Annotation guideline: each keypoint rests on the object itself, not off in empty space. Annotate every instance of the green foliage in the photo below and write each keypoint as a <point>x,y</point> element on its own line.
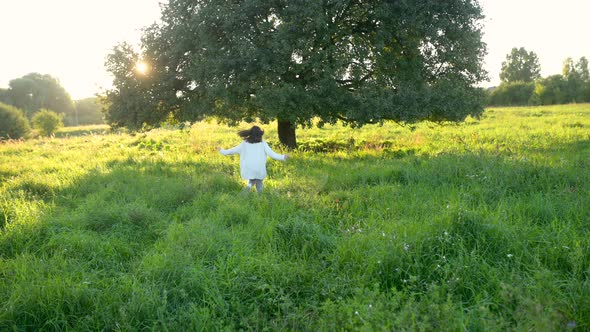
<point>577,80</point>
<point>86,112</point>
<point>520,65</point>
<point>557,89</point>
<point>571,87</point>
<point>512,93</point>
<point>132,103</point>
<point>582,69</point>
<point>479,226</point>
<point>35,91</point>
<point>336,60</point>
<point>13,123</point>
<point>4,96</point>
<point>47,122</point>
<point>551,90</point>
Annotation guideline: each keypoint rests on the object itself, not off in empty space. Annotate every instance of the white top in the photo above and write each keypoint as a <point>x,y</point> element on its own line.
<point>253,158</point>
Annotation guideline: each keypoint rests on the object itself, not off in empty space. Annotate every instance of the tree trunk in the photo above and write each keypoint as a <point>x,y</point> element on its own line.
<point>287,134</point>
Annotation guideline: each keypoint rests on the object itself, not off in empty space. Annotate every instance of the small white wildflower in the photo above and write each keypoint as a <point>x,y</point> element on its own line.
<point>356,313</point>
<point>383,233</point>
<point>438,266</point>
<point>370,306</point>
<point>509,255</point>
<point>406,247</point>
<point>448,206</point>
<point>378,262</point>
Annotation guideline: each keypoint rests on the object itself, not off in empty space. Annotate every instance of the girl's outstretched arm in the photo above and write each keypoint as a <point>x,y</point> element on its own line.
<point>234,150</point>
<point>273,154</point>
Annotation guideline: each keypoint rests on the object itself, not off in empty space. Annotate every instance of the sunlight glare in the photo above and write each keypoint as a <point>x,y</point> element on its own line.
<point>142,67</point>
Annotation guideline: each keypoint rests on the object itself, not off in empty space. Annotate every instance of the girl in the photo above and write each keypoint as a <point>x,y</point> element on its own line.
<point>253,152</point>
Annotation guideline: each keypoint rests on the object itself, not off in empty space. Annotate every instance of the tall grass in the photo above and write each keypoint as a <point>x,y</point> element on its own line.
<point>476,226</point>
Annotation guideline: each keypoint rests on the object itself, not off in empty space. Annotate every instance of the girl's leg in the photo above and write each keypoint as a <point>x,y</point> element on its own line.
<point>258,186</point>
<point>251,183</point>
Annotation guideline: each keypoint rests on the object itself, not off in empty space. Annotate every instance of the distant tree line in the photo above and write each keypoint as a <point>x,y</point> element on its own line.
<point>522,84</point>
<point>41,102</point>
<point>35,92</point>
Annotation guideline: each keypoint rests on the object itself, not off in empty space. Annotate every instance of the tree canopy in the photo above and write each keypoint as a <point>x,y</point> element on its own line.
<point>520,66</point>
<point>35,91</point>
<point>355,61</point>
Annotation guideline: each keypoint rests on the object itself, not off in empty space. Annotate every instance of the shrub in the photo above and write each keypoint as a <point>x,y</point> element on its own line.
<point>13,123</point>
<point>551,90</point>
<point>512,94</point>
<point>47,122</point>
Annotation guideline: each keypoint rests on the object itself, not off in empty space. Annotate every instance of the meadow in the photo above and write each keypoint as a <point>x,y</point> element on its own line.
<point>478,226</point>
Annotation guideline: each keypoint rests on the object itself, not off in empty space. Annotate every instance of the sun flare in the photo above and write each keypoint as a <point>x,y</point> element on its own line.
<point>142,67</point>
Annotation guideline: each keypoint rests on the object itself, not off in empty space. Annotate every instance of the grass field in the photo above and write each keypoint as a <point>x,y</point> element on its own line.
<point>481,226</point>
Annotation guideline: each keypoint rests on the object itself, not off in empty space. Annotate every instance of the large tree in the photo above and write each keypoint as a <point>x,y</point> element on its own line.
<point>293,61</point>
<point>520,66</point>
<point>35,91</point>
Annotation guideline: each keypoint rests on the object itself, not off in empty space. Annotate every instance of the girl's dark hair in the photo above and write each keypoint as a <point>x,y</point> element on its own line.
<point>252,135</point>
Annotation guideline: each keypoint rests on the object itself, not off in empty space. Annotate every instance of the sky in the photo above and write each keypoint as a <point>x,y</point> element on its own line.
<point>69,39</point>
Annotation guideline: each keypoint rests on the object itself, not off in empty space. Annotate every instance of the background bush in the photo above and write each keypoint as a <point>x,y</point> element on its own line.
<point>13,123</point>
<point>512,94</point>
<point>47,122</point>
